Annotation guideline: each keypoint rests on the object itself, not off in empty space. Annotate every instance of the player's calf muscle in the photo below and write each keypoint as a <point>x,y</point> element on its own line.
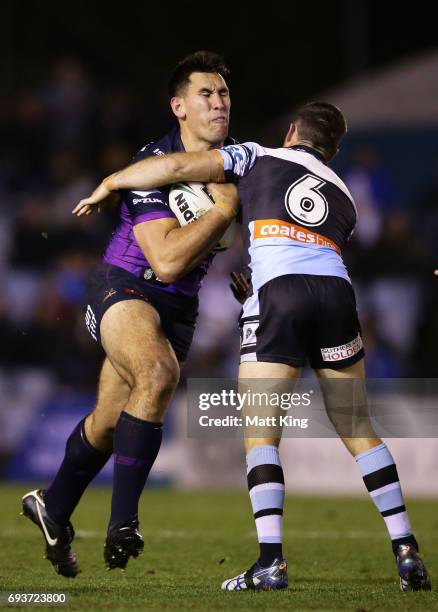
<point>99,432</point>
<point>112,397</point>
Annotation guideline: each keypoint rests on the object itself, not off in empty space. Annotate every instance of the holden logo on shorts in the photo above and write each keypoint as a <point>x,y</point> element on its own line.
<point>148,274</point>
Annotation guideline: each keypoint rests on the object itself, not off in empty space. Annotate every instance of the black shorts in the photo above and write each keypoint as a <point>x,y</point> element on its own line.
<point>108,284</point>
<point>301,316</point>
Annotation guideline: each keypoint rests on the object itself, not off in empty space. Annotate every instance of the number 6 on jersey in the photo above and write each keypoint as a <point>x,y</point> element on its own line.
<point>305,203</point>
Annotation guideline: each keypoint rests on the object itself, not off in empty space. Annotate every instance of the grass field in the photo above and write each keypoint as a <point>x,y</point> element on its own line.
<point>337,549</point>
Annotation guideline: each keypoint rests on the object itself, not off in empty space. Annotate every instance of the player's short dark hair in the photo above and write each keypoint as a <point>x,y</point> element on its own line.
<point>323,125</point>
<point>200,61</point>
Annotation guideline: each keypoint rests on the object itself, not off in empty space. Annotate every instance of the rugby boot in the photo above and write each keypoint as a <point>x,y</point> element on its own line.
<point>260,578</point>
<point>57,537</point>
<point>411,569</point>
<point>122,542</point>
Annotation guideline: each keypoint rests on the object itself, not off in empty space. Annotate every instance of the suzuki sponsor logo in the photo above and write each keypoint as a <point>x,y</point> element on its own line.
<point>146,201</point>
<point>338,353</point>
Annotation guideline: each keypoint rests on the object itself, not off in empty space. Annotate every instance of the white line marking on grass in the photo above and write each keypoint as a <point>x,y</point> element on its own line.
<point>90,533</point>
<point>160,533</point>
<point>329,535</point>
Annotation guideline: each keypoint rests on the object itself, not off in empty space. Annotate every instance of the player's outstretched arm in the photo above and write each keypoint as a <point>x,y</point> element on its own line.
<point>156,171</point>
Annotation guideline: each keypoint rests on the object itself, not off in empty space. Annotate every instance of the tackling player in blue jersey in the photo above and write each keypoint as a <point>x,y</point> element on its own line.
<point>142,307</point>
<point>297,217</point>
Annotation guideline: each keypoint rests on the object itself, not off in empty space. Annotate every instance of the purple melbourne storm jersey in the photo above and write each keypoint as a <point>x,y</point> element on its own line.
<point>297,213</point>
<point>140,206</point>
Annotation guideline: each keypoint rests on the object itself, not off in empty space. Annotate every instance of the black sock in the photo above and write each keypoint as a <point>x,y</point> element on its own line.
<point>410,539</point>
<point>269,552</point>
<point>81,463</point>
<point>136,446</point>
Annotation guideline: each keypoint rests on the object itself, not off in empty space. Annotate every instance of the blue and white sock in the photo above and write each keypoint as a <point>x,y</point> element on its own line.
<point>266,490</point>
<point>380,476</point>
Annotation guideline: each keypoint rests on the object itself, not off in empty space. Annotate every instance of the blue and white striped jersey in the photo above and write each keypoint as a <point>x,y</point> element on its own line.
<point>297,213</point>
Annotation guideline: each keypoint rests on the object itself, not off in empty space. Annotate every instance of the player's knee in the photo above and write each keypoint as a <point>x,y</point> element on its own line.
<point>159,380</point>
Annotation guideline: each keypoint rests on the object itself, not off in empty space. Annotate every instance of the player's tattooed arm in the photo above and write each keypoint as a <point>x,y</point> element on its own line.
<point>205,166</point>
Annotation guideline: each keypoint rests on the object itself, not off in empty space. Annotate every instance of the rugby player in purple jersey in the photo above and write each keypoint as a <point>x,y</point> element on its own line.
<point>142,307</point>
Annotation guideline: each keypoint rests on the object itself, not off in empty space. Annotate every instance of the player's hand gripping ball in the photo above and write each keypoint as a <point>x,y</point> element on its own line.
<point>189,201</point>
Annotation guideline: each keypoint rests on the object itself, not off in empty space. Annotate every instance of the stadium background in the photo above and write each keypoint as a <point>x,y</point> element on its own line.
<point>83,88</point>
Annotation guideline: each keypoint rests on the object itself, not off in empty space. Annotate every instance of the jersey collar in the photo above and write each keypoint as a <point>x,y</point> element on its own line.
<point>177,142</point>
<point>307,149</point>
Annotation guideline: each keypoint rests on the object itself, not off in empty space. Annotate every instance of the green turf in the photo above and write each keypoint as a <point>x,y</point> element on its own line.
<point>337,549</point>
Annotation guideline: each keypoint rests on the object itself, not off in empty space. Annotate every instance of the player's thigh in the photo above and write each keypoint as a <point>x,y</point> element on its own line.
<point>135,343</point>
<point>344,391</point>
<point>346,403</point>
<point>263,369</point>
<point>355,371</point>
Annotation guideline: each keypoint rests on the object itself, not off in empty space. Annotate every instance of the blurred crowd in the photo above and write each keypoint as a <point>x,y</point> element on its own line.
<point>391,259</point>
<point>60,137</point>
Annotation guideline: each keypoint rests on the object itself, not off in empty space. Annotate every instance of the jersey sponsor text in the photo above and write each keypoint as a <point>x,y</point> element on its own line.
<point>274,228</point>
<point>345,351</point>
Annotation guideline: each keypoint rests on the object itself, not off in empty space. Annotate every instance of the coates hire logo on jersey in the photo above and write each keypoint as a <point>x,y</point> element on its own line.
<point>345,351</point>
<point>274,228</point>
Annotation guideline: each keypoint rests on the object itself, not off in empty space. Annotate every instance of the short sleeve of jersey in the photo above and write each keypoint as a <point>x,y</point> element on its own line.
<point>147,205</point>
<point>240,159</point>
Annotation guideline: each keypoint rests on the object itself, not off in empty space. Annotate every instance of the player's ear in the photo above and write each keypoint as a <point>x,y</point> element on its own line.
<point>288,139</point>
<point>178,107</point>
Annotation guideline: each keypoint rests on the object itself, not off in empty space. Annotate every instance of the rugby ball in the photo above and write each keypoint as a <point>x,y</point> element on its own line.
<point>189,201</point>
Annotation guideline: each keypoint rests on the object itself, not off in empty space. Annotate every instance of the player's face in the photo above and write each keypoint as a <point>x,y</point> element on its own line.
<point>204,108</point>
